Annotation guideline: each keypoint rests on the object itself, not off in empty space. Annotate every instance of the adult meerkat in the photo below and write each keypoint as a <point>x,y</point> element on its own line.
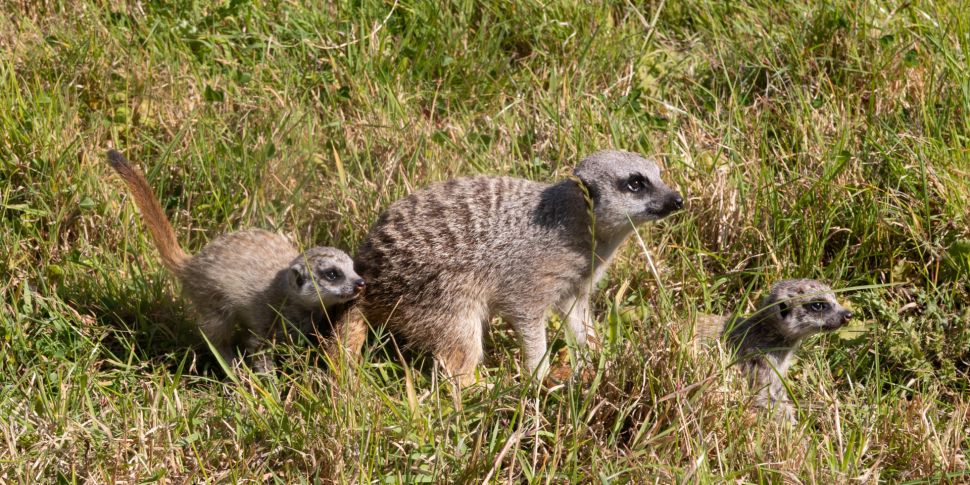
<point>764,344</point>
<point>443,261</point>
<point>248,286</point>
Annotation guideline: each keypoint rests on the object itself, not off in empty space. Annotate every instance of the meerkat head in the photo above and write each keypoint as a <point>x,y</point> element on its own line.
<point>800,308</point>
<point>324,275</point>
<point>626,187</point>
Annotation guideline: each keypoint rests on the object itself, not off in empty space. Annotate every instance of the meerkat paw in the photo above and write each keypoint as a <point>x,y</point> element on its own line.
<point>475,384</point>
<point>570,364</point>
<point>541,371</point>
<point>785,414</point>
<point>561,369</point>
<point>593,343</point>
<point>262,363</point>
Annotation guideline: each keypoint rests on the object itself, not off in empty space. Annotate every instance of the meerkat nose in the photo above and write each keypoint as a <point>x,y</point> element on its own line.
<point>678,202</point>
<point>360,283</point>
<point>846,316</point>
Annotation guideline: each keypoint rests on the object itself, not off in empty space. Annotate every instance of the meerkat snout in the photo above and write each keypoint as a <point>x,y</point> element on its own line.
<point>674,202</point>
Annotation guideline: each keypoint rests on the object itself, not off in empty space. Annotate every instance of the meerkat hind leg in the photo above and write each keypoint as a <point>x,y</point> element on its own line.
<point>217,329</point>
<point>459,361</point>
<point>463,350</point>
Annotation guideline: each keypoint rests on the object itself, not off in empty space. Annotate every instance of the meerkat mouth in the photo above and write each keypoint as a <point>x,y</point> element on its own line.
<point>351,293</point>
<point>841,322</point>
<point>672,203</point>
<point>834,326</point>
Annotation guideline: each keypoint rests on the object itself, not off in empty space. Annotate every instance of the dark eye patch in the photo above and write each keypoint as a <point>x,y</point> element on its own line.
<point>636,183</point>
<point>817,306</point>
<point>331,274</point>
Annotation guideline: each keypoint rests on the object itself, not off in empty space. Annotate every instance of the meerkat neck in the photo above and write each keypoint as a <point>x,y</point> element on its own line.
<point>565,205</point>
<point>582,200</point>
<point>608,242</point>
<point>569,204</point>
<point>755,336</point>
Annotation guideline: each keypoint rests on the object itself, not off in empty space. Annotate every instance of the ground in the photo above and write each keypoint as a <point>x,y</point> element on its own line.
<point>828,140</point>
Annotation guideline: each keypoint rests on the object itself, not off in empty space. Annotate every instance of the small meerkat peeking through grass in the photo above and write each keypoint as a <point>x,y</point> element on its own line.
<point>764,344</point>
<point>247,287</point>
<point>442,262</point>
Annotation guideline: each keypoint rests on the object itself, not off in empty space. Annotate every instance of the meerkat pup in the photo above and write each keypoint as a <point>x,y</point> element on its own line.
<point>250,286</point>
<point>443,261</point>
<point>764,344</point>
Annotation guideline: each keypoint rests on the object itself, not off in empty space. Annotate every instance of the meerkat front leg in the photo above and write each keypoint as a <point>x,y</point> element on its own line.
<point>771,393</point>
<point>781,406</point>
<point>228,354</point>
<point>531,332</point>
<point>261,354</point>
<point>579,321</point>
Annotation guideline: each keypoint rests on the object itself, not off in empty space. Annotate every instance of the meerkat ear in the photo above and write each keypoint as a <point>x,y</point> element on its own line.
<point>587,187</point>
<point>784,308</point>
<point>296,276</point>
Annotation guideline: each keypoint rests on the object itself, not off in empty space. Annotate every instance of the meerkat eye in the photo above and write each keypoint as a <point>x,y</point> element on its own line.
<point>817,306</point>
<point>636,183</point>
<point>331,274</point>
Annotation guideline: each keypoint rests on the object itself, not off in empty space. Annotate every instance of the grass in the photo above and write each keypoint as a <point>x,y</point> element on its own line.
<point>812,139</point>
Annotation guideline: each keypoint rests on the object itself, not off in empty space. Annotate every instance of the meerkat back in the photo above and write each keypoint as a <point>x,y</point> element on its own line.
<point>235,269</point>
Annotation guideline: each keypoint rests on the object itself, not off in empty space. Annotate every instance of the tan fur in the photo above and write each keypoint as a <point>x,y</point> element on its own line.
<point>443,261</point>
<point>152,214</point>
<point>244,284</point>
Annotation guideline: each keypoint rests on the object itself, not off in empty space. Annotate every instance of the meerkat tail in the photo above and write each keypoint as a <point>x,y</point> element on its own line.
<point>173,257</point>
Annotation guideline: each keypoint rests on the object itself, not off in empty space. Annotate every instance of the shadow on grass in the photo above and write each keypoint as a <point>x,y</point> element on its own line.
<point>143,322</point>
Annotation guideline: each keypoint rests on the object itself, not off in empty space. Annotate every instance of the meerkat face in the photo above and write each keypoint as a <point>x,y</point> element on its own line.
<point>626,187</point>
<point>805,307</point>
<point>325,275</point>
